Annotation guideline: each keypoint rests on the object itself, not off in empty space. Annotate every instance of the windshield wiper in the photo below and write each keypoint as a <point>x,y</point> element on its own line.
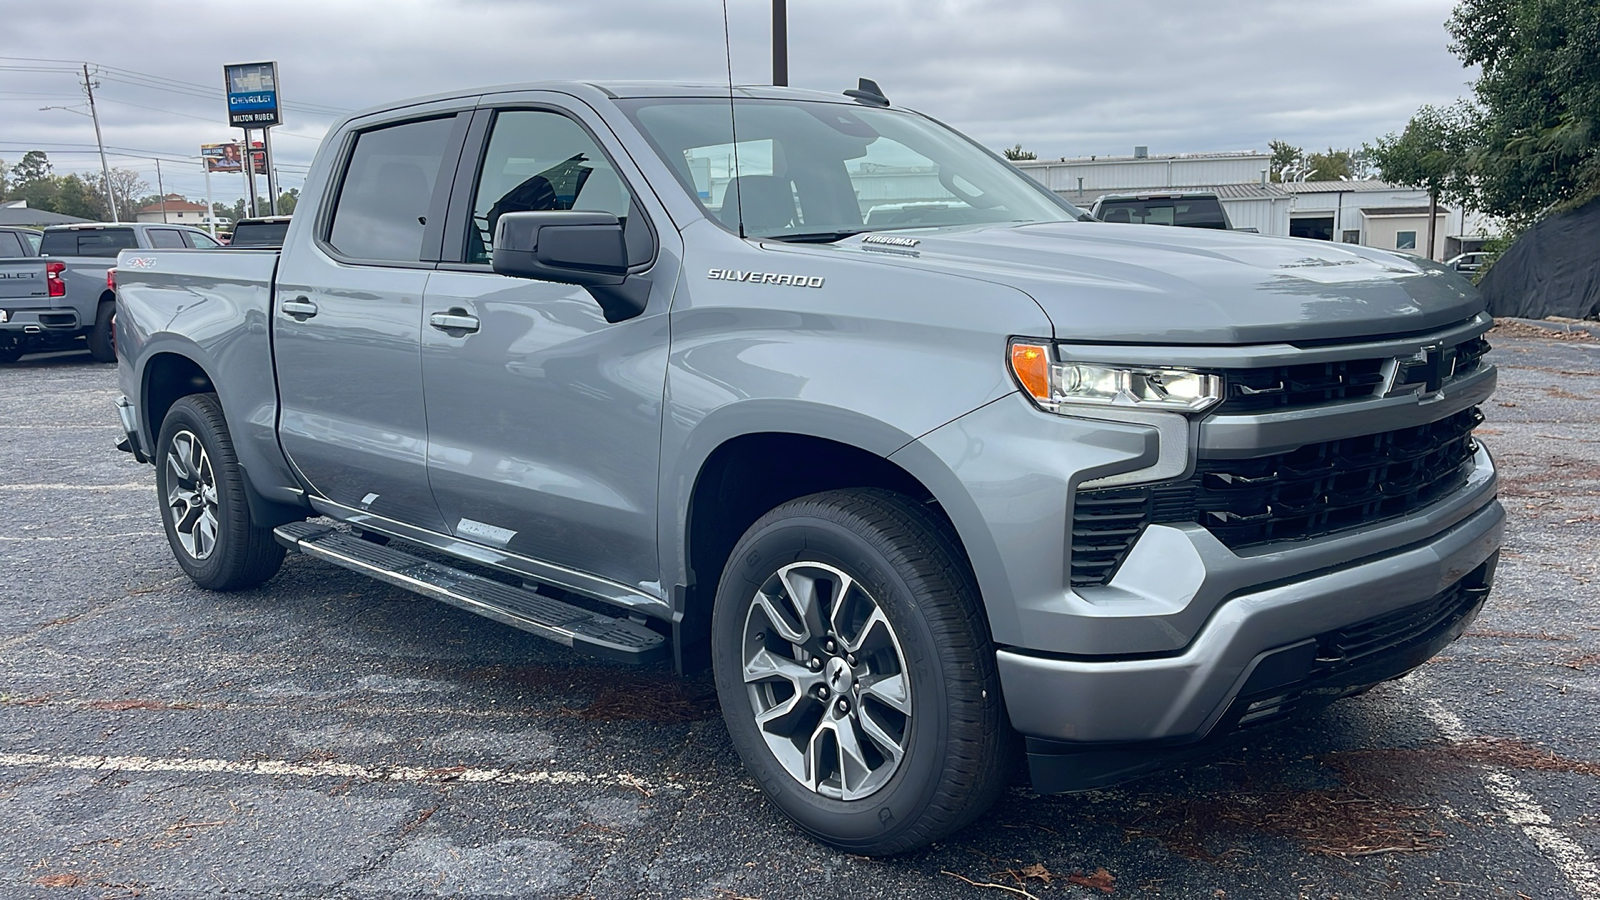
<point>815,237</point>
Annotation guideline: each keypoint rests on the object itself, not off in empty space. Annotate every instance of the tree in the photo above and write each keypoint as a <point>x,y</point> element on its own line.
<point>1335,165</point>
<point>1537,144</point>
<point>1017,153</point>
<point>1285,157</point>
<point>76,198</point>
<point>1431,154</point>
<point>126,185</point>
<point>38,193</point>
<point>35,166</point>
<point>289,199</point>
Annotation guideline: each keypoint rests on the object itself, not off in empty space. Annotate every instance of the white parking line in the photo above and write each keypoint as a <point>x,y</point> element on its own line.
<point>412,774</point>
<point>1518,805</point>
<point>84,488</point>
<point>79,537</point>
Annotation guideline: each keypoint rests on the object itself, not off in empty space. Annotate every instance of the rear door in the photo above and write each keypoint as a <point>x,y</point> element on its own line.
<point>347,316</point>
<point>544,421</point>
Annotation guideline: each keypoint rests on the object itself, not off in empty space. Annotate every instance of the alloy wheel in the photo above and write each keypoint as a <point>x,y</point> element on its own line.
<point>192,495</point>
<point>827,680</point>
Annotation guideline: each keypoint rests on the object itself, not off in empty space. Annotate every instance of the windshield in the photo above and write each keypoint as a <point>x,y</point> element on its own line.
<point>827,170</point>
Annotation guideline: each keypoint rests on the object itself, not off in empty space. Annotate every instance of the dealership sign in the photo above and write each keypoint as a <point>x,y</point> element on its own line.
<point>252,94</point>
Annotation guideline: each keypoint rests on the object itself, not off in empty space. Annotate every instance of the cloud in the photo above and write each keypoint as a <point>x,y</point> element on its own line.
<point>1063,78</point>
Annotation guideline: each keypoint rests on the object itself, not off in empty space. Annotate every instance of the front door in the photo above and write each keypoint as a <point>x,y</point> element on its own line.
<point>544,421</point>
<point>347,321</point>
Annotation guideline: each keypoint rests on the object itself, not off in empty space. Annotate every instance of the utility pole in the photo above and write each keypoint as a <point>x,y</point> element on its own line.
<point>780,43</point>
<point>161,189</point>
<point>105,170</point>
<point>272,172</point>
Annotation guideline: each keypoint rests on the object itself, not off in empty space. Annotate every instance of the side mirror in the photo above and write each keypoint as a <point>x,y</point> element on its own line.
<point>587,249</point>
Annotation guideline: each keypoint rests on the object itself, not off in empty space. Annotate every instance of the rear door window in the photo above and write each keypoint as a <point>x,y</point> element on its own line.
<point>199,241</point>
<point>166,239</point>
<point>11,245</point>
<point>388,187</point>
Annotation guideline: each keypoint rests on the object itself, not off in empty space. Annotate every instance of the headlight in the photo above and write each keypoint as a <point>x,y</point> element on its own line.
<point>1054,384</point>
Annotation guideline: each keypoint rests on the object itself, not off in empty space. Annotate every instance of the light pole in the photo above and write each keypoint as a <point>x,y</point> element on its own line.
<point>105,170</point>
<point>780,43</point>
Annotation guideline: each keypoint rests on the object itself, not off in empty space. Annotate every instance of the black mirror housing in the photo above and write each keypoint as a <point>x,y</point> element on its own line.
<point>587,249</point>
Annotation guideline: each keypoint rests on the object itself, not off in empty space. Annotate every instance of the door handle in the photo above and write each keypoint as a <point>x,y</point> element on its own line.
<point>300,307</point>
<point>456,320</point>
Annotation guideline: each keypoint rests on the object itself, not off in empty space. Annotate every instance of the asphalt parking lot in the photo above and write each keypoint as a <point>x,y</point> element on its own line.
<point>328,736</point>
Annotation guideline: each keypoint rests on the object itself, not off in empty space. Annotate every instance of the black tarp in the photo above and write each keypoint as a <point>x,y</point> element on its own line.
<point>1552,270</point>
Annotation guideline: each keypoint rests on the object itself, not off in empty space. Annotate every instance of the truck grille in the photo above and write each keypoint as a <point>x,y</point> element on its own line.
<point>1312,491</point>
<point>1314,384</point>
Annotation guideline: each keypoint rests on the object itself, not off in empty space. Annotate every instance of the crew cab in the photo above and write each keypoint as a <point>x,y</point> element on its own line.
<point>992,477</point>
<point>87,253</point>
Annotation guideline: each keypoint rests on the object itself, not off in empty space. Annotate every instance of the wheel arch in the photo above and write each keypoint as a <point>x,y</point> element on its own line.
<point>171,373</point>
<point>747,473</point>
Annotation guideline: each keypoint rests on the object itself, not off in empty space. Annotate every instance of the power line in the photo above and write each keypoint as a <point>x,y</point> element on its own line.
<point>160,83</point>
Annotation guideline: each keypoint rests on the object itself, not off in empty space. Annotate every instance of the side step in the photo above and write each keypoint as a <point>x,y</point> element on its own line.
<point>621,640</point>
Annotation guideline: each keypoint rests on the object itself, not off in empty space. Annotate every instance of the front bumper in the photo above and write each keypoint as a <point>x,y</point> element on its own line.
<point>1095,722</point>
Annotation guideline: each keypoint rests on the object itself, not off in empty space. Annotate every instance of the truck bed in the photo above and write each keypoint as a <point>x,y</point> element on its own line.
<point>214,308</point>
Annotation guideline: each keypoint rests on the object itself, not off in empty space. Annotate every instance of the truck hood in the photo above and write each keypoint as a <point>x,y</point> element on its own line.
<point>1160,284</point>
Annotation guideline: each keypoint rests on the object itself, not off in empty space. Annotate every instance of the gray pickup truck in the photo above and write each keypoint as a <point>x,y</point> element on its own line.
<point>924,497</point>
<point>87,253</point>
<point>29,285</point>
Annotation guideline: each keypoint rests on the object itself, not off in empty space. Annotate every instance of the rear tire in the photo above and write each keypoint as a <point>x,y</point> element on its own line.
<point>856,673</point>
<point>203,507</point>
<point>10,353</point>
<point>102,343</point>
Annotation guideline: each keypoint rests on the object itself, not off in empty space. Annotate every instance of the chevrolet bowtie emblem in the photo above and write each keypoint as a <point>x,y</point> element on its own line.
<point>1424,372</point>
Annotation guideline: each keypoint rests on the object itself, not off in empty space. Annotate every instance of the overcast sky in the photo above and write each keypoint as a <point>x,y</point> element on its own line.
<point>1062,77</point>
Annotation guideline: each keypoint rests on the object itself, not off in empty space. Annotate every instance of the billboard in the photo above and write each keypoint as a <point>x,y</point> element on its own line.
<point>252,94</point>
<point>228,157</point>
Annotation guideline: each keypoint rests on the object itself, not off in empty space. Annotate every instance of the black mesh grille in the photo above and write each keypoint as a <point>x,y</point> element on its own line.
<point>1315,490</point>
<point>1345,658</point>
<point>1314,384</point>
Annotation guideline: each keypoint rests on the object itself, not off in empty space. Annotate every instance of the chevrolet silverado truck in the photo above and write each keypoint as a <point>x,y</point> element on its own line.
<point>29,285</point>
<point>623,365</point>
<point>87,253</point>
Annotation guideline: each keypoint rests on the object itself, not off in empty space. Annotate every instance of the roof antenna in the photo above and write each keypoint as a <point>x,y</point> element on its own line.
<point>867,92</point>
<point>733,128</point>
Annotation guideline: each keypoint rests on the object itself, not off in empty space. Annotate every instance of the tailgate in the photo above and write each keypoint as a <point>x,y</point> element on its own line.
<point>23,278</point>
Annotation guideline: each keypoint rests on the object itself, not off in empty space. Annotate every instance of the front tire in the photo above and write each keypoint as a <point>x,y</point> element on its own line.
<point>856,672</point>
<point>102,343</point>
<point>203,505</point>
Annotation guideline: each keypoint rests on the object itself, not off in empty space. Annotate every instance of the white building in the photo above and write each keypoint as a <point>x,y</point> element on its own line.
<point>1367,212</point>
<point>175,210</point>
